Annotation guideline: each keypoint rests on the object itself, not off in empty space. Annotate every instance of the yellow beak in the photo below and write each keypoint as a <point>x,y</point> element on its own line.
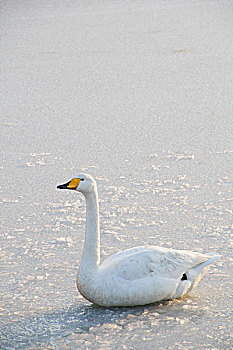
<point>71,185</point>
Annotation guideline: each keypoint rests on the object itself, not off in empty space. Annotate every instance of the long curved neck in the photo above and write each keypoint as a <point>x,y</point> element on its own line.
<point>91,251</point>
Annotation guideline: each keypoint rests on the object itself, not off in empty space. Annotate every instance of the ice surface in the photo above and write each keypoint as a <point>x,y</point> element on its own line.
<point>140,95</point>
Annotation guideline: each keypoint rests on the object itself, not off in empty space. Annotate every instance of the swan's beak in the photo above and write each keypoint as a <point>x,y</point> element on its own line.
<point>70,185</point>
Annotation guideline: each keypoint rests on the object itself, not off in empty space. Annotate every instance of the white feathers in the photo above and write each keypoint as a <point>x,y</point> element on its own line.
<point>136,276</point>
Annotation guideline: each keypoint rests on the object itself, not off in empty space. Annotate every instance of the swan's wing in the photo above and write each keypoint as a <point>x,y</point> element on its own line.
<point>140,262</point>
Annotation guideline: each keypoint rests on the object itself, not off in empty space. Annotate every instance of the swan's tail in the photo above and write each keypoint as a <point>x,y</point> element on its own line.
<point>194,275</point>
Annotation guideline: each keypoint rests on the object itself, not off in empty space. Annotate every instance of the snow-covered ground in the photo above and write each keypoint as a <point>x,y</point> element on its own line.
<point>140,95</point>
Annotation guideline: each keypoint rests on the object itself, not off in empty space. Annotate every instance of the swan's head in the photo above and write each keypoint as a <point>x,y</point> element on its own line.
<point>83,183</point>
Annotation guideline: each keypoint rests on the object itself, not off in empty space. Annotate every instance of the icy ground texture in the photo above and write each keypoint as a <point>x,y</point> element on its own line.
<point>140,95</point>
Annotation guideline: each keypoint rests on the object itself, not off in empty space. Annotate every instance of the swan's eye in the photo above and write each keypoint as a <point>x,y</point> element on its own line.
<point>82,179</point>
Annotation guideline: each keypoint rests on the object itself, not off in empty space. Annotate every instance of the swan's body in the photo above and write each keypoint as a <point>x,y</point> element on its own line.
<point>136,276</point>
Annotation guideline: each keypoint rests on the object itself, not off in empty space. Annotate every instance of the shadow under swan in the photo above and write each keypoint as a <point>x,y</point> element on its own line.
<point>45,328</point>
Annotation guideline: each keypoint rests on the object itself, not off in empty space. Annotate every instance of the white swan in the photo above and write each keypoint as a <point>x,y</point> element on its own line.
<point>136,276</point>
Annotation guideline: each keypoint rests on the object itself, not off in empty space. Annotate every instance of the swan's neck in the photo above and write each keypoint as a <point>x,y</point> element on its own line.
<point>91,251</point>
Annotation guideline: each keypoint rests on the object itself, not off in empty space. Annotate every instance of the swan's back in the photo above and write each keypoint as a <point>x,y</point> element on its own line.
<point>141,261</point>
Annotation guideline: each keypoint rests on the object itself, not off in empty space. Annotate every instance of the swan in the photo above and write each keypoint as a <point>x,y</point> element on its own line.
<point>136,276</point>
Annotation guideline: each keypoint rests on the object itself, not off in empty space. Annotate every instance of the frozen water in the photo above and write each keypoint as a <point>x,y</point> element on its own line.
<point>140,95</point>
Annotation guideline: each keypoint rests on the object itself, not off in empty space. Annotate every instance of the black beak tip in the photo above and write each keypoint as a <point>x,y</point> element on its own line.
<point>61,187</point>
<point>64,186</point>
